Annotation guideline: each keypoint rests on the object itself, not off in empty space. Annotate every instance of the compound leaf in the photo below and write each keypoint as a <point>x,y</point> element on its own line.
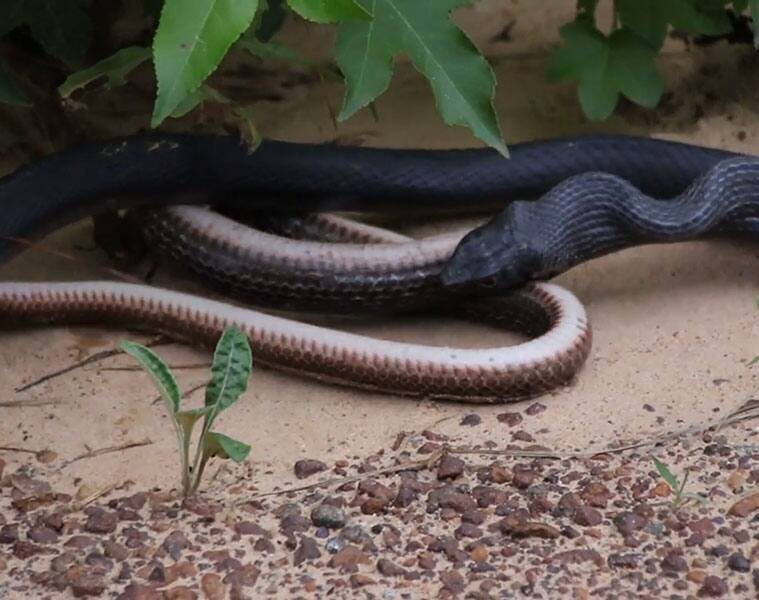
<point>651,18</point>
<point>605,67</point>
<point>461,79</point>
<point>190,42</point>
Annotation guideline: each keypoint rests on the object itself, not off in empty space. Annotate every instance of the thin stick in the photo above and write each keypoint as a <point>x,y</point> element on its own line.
<point>93,358</point>
<point>94,496</point>
<point>190,366</point>
<point>24,403</point>
<point>15,449</point>
<point>735,416</point>
<point>107,450</point>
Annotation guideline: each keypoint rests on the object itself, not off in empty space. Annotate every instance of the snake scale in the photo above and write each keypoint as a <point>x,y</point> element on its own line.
<point>561,202</point>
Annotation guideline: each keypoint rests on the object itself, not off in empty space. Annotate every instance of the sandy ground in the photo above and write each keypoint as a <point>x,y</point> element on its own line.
<point>674,327</point>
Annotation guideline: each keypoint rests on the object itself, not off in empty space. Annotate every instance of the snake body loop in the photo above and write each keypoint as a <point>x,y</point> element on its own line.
<point>578,215</point>
<point>594,214</point>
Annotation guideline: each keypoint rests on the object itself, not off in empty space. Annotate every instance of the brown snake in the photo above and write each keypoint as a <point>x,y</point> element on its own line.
<point>497,374</point>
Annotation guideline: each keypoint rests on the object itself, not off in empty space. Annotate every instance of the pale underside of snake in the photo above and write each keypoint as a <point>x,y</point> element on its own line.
<point>552,314</point>
<point>580,218</point>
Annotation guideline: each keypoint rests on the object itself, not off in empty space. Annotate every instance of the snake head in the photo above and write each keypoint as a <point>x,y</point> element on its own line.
<point>495,257</point>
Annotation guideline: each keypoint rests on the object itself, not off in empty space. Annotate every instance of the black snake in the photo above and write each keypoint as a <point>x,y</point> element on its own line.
<point>566,201</point>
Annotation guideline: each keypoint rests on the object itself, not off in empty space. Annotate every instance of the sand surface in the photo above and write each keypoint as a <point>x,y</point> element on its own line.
<point>668,321</point>
<point>674,327</point>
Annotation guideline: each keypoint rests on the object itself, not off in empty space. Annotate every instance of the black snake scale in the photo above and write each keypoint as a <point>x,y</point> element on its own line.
<point>594,214</point>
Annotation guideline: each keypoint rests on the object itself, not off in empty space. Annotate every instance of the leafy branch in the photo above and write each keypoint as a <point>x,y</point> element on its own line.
<point>191,39</point>
<point>623,60</point>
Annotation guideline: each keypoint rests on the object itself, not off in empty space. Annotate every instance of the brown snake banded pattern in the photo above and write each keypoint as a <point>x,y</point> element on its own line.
<point>472,375</point>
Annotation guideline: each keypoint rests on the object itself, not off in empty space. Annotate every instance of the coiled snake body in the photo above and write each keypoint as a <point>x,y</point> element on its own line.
<point>562,202</point>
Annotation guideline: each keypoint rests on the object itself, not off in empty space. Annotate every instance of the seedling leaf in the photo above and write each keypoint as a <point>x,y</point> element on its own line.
<point>158,371</point>
<point>666,474</point>
<point>230,370</point>
<point>223,446</point>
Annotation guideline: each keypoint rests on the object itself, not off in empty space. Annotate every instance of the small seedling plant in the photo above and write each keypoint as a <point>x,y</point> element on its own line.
<point>230,371</point>
<point>678,488</point>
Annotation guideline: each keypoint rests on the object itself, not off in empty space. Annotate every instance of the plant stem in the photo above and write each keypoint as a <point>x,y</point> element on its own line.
<point>679,492</point>
<point>184,454</point>
<point>199,474</point>
<point>198,464</point>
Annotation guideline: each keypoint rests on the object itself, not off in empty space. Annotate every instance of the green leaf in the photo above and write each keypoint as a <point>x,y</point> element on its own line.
<point>666,474</point>
<point>605,67</point>
<point>230,370</point>
<point>651,18</point>
<point>461,79</point>
<point>330,11</point>
<point>191,40</point>
<point>583,45</point>
<point>158,371</point>
<point>222,446</point>
<point>707,19</point>
<point>62,27</point>
<point>10,92</point>
<point>113,69</point>
<point>646,18</point>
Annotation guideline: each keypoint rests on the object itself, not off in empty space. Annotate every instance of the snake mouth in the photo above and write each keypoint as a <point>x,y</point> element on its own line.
<point>491,260</point>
